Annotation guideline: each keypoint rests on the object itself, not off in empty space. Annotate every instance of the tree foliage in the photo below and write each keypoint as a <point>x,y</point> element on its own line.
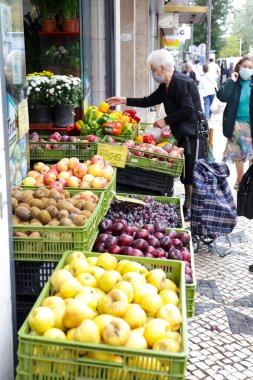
<point>231,47</point>
<point>220,12</point>
<point>243,25</point>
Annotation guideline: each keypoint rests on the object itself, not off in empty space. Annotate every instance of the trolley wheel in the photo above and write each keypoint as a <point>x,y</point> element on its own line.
<point>195,243</point>
<point>207,240</point>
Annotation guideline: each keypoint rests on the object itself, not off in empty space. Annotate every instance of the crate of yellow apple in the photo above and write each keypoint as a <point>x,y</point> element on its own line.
<point>107,316</point>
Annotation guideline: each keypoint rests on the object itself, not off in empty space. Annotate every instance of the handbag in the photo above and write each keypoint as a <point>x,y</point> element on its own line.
<point>216,105</point>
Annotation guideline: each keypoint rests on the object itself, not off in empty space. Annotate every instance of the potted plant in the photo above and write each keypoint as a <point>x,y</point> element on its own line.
<point>38,85</point>
<point>74,58</point>
<point>46,10</point>
<point>69,12</point>
<point>65,94</point>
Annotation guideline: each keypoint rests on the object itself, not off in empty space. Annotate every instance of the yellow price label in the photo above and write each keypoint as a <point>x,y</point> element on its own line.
<point>115,154</point>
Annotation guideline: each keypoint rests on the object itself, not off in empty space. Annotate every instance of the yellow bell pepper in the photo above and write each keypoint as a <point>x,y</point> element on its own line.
<point>99,114</point>
<point>162,143</point>
<point>139,139</point>
<point>127,118</point>
<point>104,107</point>
<point>92,107</point>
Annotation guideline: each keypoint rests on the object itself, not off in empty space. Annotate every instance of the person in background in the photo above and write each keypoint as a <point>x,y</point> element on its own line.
<point>207,89</point>
<point>183,65</point>
<point>238,115</point>
<point>214,70</point>
<point>230,70</point>
<point>189,72</point>
<point>182,105</point>
<point>198,69</point>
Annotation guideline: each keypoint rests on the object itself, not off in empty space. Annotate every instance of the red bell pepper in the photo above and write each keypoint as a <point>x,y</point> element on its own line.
<point>148,139</point>
<point>112,128</point>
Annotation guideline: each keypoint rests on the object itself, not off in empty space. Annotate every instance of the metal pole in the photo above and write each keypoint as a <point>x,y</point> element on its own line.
<point>240,47</point>
<point>209,26</point>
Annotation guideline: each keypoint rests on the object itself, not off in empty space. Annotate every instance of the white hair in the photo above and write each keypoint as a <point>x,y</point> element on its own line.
<point>161,57</point>
<point>188,64</point>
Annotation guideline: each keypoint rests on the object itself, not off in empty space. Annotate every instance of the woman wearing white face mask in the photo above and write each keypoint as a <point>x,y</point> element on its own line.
<point>180,97</point>
<point>237,118</point>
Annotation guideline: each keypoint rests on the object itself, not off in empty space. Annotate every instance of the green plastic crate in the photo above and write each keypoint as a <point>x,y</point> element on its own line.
<point>54,239</point>
<point>169,200</point>
<point>43,358</point>
<point>173,169</point>
<point>83,151</point>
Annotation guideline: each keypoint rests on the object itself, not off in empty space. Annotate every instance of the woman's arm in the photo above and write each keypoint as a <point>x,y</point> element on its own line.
<point>227,89</point>
<point>184,100</point>
<point>148,101</point>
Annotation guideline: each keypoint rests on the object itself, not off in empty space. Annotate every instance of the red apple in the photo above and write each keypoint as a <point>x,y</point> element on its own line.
<point>96,158</point>
<point>85,185</point>
<point>80,170</point>
<point>64,175</point>
<point>57,185</point>
<point>49,177</point>
<point>73,161</point>
<point>99,183</point>
<point>62,166</point>
<point>73,181</point>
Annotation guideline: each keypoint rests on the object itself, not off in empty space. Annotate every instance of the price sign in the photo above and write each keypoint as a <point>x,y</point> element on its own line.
<point>115,154</point>
<point>130,200</point>
<point>23,118</point>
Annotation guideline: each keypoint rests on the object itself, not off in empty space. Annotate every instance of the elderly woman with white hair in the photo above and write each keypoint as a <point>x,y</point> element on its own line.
<point>180,97</point>
<point>190,73</point>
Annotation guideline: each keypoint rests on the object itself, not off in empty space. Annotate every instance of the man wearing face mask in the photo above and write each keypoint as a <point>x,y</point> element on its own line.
<point>238,116</point>
<point>181,100</point>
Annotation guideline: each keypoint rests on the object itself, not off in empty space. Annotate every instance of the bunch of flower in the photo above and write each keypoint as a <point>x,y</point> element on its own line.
<point>37,90</point>
<point>43,73</point>
<point>64,90</point>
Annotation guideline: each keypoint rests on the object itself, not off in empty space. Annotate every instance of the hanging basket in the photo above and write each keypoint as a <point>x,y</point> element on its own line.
<point>41,114</point>
<point>68,26</point>
<point>64,115</point>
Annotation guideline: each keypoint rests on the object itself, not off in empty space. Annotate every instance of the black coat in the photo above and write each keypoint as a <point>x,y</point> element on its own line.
<point>192,76</point>
<point>181,103</point>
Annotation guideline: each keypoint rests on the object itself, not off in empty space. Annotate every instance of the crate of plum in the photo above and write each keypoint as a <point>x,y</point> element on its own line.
<point>57,146</point>
<point>118,236</point>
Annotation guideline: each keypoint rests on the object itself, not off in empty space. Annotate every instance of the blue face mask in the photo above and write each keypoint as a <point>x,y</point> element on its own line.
<point>157,78</point>
<point>245,73</point>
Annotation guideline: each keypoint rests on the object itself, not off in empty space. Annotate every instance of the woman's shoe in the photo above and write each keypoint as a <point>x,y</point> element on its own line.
<point>251,268</point>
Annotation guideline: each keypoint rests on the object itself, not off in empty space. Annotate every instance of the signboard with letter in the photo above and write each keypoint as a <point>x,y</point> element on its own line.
<point>115,154</point>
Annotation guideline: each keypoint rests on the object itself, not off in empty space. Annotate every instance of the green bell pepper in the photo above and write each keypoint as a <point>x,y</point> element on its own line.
<point>127,130</point>
<point>105,119</point>
<point>85,130</point>
<point>90,116</point>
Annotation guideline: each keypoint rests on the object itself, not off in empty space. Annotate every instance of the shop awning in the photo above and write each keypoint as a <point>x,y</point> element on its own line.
<point>187,14</point>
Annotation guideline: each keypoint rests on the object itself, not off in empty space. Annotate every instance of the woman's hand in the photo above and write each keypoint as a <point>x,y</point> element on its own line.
<point>234,76</point>
<point>115,100</point>
<point>160,123</point>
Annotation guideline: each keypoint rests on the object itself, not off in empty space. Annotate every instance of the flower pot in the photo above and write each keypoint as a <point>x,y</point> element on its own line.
<point>77,25</point>
<point>48,26</point>
<point>75,71</point>
<point>64,115</point>
<point>41,114</point>
<point>68,25</point>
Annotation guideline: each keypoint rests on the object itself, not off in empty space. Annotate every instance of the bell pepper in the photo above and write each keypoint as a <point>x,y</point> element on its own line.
<point>79,124</point>
<point>99,114</point>
<point>127,130</point>
<point>105,119</point>
<point>130,113</point>
<point>112,128</point>
<point>85,129</point>
<point>139,139</point>
<point>90,116</point>
<point>148,139</point>
<point>104,107</point>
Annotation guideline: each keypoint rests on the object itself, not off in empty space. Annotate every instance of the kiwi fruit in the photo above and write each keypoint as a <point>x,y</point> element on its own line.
<point>54,194</point>
<point>53,211</point>
<point>86,213</point>
<point>26,205</point>
<point>44,201</point>
<point>66,222</point>
<point>22,213</point>
<point>79,204</point>
<point>20,234</point>
<point>72,201</point>
<point>80,220</point>
<point>76,211</point>
<point>28,192</point>
<point>64,205</point>
<point>44,217</point>
<point>34,212</point>
<point>62,214</point>
<point>66,194</point>
<point>14,203</point>
<point>76,196</point>
<point>36,203</point>
<point>35,234</point>
<point>27,198</point>
<point>50,202</point>
<point>90,206</point>
<point>73,215</point>
<point>16,187</point>
<point>15,219</point>
<point>17,194</point>
<point>40,193</point>
<point>54,223</point>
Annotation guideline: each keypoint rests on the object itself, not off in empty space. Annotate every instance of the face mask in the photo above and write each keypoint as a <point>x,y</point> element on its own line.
<point>245,73</point>
<point>157,78</point>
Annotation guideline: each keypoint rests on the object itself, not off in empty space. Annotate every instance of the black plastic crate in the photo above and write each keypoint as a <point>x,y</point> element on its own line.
<point>31,276</point>
<point>148,181</point>
<point>24,304</point>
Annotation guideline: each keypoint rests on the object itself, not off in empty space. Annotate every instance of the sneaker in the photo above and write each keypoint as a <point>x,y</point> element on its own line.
<point>236,187</point>
<point>251,268</point>
<point>187,214</point>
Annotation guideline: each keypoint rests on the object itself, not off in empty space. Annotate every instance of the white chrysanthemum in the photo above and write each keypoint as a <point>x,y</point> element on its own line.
<point>37,89</point>
<point>51,91</point>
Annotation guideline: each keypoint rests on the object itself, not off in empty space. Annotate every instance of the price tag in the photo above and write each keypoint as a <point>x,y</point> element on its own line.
<point>130,200</point>
<point>23,119</point>
<point>115,154</point>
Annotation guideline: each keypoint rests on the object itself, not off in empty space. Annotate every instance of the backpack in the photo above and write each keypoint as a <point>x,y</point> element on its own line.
<point>245,195</point>
<point>213,211</point>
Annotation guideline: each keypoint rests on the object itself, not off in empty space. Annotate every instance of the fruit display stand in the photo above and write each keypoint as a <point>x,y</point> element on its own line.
<point>79,149</point>
<point>54,239</point>
<point>155,162</point>
<point>41,357</point>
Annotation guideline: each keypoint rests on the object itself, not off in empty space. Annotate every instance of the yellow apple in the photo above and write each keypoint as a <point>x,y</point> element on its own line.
<point>141,290</point>
<point>134,278</point>
<point>76,312</point>
<point>41,319</point>
<point>171,285</point>
<point>66,267</point>
<point>135,316</point>
<point>169,296</point>
<point>168,345</point>
<point>87,332</point>
<point>172,314</point>
<point>102,320</point>
<point>55,333</point>
<point>133,266</point>
<point>75,255</point>
<point>107,261</point>
<point>92,260</point>
<point>70,287</point>
<point>88,299</point>
<point>120,265</point>
<point>99,355</point>
<point>116,332</point>
<point>95,292</point>
<point>151,304</point>
<point>108,279</point>
<point>136,340</point>
<point>96,271</point>
<point>176,336</point>
<point>78,266</point>
<point>157,278</point>
<point>53,302</point>
<point>127,288</point>
<point>156,329</point>
<point>86,279</point>
<point>114,303</point>
<point>71,334</point>
<point>58,278</point>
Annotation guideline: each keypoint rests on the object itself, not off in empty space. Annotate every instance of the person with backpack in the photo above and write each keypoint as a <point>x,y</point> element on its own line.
<point>181,100</point>
<point>237,92</point>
